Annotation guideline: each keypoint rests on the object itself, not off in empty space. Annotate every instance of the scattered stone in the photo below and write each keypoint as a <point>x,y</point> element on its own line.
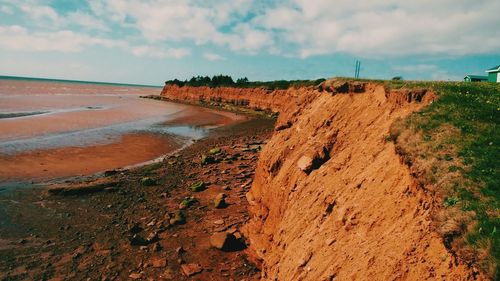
<point>283,126</point>
<point>191,269</point>
<point>226,242</point>
<point>198,186</point>
<point>179,250</point>
<point>148,181</point>
<point>152,237</point>
<point>135,276</point>
<point>219,222</point>
<point>110,173</point>
<point>216,150</point>
<point>178,218</point>
<point>220,201</point>
<point>207,159</point>
<point>187,202</point>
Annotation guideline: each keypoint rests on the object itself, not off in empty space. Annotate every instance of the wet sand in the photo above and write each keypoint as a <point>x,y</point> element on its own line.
<point>49,164</point>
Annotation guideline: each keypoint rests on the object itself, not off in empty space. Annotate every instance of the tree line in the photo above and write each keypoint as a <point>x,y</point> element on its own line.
<point>227,81</point>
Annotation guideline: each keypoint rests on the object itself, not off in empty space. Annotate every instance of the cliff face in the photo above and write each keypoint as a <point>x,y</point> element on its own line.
<point>331,198</point>
<point>253,97</point>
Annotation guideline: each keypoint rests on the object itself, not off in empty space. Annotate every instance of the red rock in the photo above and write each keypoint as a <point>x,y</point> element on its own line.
<point>191,269</point>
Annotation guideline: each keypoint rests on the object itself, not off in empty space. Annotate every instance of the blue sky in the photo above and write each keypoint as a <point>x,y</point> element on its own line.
<point>150,41</point>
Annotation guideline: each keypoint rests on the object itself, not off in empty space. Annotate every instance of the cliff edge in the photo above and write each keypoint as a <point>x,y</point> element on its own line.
<point>331,198</point>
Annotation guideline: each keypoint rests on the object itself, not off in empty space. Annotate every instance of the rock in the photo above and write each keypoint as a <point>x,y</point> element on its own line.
<point>135,276</point>
<point>226,242</point>
<point>147,181</point>
<point>137,240</point>
<point>152,237</point>
<point>219,222</point>
<point>283,126</point>
<point>178,218</point>
<point>159,262</point>
<point>220,201</point>
<point>179,250</point>
<point>313,160</point>
<point>187,202</point>
<point>110,173</point>
<point>207,159</point>
<point>216,150</point>
<point>198,186</point>
<point>191,269</point>
<point>305,163</point>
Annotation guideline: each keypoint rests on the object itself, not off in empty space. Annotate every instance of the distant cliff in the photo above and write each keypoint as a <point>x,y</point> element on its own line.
<point>256,98</point>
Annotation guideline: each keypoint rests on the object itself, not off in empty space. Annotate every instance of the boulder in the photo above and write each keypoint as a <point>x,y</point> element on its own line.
<point>147,181</point>
<point>198,186</point>
<point>178,218</point>
<point>220,201</point>
<point>226,242</point>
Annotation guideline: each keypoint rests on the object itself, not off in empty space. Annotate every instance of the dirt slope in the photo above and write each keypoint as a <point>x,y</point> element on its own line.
<point>332,200</point>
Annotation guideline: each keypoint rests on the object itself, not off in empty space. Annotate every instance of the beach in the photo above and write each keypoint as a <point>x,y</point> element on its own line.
<point>54,130</point>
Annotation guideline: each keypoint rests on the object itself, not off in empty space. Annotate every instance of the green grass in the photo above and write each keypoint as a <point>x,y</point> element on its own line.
<point>457,138</point>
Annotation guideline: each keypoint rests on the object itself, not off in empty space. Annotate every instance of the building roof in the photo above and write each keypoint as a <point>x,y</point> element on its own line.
<point>494,69</point>
<point>477,77</point>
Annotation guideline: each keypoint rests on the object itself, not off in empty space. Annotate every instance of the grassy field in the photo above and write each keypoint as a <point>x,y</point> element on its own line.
<point>454,147</point>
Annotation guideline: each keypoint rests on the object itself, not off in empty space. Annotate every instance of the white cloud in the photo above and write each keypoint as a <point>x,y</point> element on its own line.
<point>18,38</point>
<point>87,21</point>
<point>298,28</point>
<point>197,22</point>
<point>6,9</point>
<point>385,27</point>
<point>155,52</point>
<point>213,57</point>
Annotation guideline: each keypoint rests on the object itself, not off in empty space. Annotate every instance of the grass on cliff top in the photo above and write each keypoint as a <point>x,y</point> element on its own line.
<point>454,143</point>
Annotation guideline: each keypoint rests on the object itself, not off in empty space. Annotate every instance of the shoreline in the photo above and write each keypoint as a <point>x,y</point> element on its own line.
<point>93,227</point>
<point>183,127</point>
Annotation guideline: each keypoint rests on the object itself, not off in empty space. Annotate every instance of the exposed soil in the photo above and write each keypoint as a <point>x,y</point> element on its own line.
<point>332,200</point>
<point>91,235</point>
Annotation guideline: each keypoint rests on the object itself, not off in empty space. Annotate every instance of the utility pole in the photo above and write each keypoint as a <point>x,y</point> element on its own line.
<point>356,71</point>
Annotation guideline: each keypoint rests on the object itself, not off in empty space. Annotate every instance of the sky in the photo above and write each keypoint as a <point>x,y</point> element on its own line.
<point>150,41</point>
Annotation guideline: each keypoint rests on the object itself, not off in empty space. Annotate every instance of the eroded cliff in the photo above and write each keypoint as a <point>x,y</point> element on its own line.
<point>331,198</point>
<point>257,98</point>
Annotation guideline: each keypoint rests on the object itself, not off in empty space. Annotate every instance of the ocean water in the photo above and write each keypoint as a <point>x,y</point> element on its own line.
<point>40,117</point>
